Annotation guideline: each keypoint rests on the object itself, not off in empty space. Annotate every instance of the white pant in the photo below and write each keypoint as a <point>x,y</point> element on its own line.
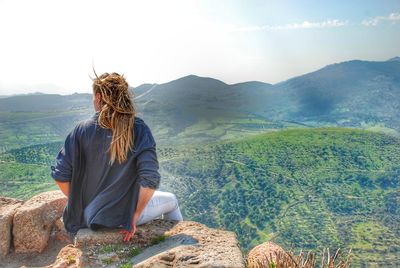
<point>161,205</point>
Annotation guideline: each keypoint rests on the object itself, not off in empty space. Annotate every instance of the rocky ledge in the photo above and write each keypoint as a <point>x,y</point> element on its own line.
<point>32,234</point>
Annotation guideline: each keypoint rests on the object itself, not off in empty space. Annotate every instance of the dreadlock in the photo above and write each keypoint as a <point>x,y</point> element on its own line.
<point>117,113</point>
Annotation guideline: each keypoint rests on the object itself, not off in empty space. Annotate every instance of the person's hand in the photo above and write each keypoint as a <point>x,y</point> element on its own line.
<point>129,235</point>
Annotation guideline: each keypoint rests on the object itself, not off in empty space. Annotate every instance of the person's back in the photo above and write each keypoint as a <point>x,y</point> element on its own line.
<point>95,143</point>
<point>107,160</point>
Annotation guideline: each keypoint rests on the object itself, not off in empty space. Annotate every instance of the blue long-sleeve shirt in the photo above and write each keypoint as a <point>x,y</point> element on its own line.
<point>100,194</point>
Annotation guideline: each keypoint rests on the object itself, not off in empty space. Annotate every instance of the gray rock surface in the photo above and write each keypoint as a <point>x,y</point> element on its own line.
<point>143,237</point>
<point>162,244</point>
<point>163,247</point>
<point>34,220</point>
<point>8,207</point>
<point>191,244</point>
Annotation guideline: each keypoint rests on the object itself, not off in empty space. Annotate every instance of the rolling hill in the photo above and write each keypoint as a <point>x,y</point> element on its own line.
<point>302,188</point>
<point>347,94</point>
<point>193,109</point>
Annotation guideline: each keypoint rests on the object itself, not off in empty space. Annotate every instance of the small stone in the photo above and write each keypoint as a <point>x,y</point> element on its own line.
<point>69,256</point>
<point>170,256</point>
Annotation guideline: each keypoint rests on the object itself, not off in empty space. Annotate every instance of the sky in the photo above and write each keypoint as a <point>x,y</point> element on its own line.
<point>51,46</point>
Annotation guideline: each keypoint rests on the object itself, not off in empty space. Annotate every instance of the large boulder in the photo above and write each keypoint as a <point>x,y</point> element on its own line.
<point>161,243</point>
<point>8,207</point>
<point>192,244</point>
<point>34,220</point>
<point>263,255</point>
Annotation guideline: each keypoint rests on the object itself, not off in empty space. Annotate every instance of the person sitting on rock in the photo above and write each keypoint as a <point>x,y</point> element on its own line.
<point>108,166</point>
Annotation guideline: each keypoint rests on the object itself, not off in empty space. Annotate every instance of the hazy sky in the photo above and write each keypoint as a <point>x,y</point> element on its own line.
<point>49,46</point>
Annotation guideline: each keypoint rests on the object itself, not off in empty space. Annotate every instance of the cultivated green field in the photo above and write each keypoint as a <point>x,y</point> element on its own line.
<point>302,188</point>
<point>20,129</point>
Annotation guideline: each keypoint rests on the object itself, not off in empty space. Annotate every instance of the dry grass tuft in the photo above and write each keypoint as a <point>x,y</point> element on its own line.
<point>282,259</point>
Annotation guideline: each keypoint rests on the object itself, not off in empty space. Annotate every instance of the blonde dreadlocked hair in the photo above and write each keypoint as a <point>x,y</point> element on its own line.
<point>117,113</point>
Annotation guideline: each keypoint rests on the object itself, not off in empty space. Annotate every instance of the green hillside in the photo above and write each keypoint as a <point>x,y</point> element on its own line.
<point>24,128</point>
<point>302,188</point>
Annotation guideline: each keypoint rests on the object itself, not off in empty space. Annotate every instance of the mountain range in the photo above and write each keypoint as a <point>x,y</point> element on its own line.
<point>362,94</point>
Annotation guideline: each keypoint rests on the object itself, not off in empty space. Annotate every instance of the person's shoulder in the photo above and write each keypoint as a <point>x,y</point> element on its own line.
<point>139,120</point>
<point>140,124</point>
<point>88,122</point>
<point>83,125</point>
<point>142,133</point>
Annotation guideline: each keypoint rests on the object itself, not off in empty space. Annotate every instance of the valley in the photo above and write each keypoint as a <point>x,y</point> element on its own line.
<point>308,163</point>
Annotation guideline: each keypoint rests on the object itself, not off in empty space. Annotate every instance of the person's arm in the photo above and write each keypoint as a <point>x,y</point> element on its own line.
<point>147,166</point>
<point>147,175</point>
<point>61,171</point>
<point>145,195</point>
<point>64,187</point>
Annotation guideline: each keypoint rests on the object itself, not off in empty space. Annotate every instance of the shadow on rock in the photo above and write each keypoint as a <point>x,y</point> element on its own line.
<point>170,243</point>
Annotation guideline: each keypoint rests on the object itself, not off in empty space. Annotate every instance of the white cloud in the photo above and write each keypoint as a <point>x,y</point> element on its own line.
<point>292,26</point>
<point>393,17</point>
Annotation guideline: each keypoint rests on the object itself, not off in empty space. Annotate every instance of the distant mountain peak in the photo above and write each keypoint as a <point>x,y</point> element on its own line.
<point>394,59</point>
<point>254,83</point>
<point>191,78</point>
